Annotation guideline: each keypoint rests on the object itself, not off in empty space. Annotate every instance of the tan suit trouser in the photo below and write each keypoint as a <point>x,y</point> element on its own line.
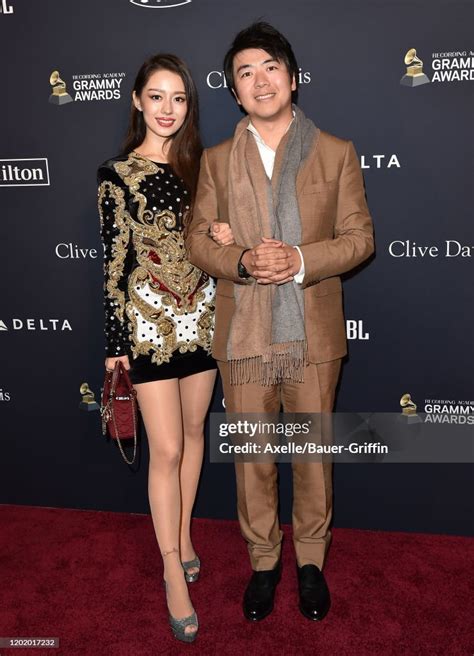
<point>257,493</point>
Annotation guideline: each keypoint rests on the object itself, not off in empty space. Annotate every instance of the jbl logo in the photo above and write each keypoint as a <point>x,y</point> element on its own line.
<point>5,8</point>
<point>355,329</point>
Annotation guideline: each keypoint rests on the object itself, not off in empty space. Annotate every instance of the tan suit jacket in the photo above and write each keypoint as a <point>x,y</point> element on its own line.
<point>336,231</point>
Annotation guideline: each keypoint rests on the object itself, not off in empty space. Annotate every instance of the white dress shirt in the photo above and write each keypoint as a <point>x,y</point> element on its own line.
<point>267,155</point>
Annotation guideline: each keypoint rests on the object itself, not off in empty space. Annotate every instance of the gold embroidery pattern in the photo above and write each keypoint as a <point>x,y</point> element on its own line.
<point>206,325</point>
<point>107,190</point>
<point>166,329</point>
<point>161,254</point>
<point>165,284</point>
<point>133,172</point>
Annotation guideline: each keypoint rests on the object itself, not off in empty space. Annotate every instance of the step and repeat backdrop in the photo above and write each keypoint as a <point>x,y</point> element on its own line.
<point>394,77</point>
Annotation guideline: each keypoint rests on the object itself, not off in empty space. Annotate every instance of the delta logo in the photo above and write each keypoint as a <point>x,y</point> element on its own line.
<point>58,325</point>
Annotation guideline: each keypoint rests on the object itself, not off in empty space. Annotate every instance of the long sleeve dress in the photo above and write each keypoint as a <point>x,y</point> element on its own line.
<point>159,308</point>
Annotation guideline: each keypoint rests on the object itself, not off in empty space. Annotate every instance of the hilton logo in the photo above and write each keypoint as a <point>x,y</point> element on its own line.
<point>159,4</point>
<point>24,172</point>
<point>5,7</point>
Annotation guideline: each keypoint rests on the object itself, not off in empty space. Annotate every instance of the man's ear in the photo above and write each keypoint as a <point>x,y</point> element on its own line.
<point>293,83</point>
<point>136,101</point>
<point>236,96</point>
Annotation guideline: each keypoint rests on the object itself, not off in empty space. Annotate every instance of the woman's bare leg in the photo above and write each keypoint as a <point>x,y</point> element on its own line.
<point>196,393</point>
<point>160,405</point>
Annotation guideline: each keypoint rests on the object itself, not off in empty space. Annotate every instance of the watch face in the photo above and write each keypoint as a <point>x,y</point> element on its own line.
<point>157,4</point>
<point>242,271</point>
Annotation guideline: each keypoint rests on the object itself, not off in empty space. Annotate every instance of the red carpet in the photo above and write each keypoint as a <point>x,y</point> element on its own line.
<point>93,579</point>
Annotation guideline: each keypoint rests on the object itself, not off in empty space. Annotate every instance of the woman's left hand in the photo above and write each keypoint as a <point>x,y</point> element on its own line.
<point>221,233</point>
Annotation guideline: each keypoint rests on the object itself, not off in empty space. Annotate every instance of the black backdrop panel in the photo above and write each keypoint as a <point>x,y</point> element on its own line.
<point>409,311</point>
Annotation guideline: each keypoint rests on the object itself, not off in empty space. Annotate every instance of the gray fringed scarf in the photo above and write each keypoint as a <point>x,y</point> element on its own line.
<point>267,338</point>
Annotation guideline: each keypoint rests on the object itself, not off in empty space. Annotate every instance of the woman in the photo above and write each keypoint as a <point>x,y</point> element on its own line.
<point>159,308</point>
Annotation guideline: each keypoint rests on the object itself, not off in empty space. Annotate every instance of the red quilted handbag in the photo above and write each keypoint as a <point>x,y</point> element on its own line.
<point>119,408</point>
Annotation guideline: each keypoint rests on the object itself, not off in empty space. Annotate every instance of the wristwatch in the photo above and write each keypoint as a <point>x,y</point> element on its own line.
<point>241,270</point>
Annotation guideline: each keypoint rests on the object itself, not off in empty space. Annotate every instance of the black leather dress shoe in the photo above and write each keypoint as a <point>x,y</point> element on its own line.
<point>260,593</point>
<point>313,592</point>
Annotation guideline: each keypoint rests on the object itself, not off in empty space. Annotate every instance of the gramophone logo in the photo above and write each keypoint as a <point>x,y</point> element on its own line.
<point>88,401</point>
<point>408,414</point>
<point>159,4</point>
<point>414,77</point>
<point>409,407</point>
<point>59,95</point>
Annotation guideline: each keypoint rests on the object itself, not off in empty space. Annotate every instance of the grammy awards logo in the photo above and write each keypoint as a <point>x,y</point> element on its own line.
<point>59,95</point>
<point>159,4</point>
<point>408,414</point>
<point>86,87</point>
<point>414,77</point>
<point>88,401</point>
<point>409,407</point>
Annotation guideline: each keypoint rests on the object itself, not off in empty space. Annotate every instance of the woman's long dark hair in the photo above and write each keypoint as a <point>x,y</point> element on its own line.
<point>185,145</point>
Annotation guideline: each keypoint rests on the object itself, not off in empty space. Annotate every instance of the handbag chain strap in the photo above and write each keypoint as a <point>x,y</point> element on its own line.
<point>129,462</point>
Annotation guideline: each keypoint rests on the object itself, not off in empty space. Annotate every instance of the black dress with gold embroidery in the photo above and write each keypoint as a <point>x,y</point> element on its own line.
<point>159,308</point>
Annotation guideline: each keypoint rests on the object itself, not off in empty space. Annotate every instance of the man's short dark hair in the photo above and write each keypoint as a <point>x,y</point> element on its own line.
<point>263,37</point>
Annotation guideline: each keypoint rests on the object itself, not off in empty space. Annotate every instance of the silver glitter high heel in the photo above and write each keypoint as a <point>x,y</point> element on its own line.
<point>190,564</point>
<point>178,626</point>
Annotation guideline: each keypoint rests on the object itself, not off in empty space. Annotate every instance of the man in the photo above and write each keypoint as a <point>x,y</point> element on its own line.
<point>294,198</point>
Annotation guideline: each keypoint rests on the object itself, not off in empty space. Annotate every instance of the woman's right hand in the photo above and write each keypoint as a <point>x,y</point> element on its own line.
<point>110,362</point>
<point>221,233</point>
